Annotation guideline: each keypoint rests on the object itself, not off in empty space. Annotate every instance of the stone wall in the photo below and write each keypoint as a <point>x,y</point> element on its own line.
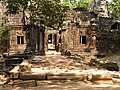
<point>107,38</point>
<point>17,40</point>
<point>77,36</point>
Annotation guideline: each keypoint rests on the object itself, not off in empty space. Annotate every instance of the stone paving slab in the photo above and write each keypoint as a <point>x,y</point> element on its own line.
<point>32,76</point>
<point>89,75</point>
<point>57,68</point>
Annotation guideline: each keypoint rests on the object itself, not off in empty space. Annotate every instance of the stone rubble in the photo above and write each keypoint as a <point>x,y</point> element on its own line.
<point>64,68</point>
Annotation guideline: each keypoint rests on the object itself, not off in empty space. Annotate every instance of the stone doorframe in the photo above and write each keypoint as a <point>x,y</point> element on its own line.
<point>53,32</point>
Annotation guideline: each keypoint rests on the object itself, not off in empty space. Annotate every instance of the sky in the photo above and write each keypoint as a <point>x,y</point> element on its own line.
<point>108,0</point>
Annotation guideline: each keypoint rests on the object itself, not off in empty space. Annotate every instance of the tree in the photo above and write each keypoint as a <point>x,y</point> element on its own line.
<point>43,12</point>
<point>115,8</point>
<point>77,3</point>
<point>47,13</point>
<point>4,37</point>
<point>17,6</point>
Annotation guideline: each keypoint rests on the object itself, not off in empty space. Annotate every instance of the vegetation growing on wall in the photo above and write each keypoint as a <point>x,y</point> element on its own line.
<point>4,37</point>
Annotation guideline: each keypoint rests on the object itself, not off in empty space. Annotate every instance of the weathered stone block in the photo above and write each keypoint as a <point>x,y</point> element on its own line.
<point>111,66</point>
<point>25,68</point>
<point>116,80</point>
<point>14,75</point>
<point>100,76</point>
<point>65,76</point>
<point>28,83</point>
<point>33,76</point>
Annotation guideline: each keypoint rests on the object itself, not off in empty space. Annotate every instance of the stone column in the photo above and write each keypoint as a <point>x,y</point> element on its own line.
<point>46,42</point>
<point>40,41</point>
<point>57,42</point>
<point>36,40</point>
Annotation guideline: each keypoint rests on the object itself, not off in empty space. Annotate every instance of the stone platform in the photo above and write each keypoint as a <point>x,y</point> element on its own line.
<point>62,74</point>
<point>61,68</point>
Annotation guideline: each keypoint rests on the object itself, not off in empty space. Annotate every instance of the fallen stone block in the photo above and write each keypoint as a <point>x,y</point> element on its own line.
<point>89,77</point>
<point>25,66</point>
<point>14,73</point>
<point>102,76</point>
<point>116,75</point>
<point>116,80</point>
<point>24,84</point>
<point>103,82</point>
<point>32,76</point>
<point>65,76</point>
<point>111,66</point>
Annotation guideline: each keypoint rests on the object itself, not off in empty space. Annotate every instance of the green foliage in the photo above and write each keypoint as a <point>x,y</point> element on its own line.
<point>115,8</point>
<point>77,3</point>
<point>16,6</point>
<point>47,13</point>
<point>4,37</point>
<point>43,12</point>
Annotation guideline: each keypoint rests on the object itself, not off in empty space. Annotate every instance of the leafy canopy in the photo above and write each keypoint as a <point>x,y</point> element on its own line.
<point>77,3</point>
<point>43,12</point>
<point>115,8</point>
<point>4,37</point>
<point>16,6</point>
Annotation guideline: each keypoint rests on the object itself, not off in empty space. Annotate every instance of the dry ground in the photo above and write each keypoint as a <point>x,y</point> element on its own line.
<point>61,62</point>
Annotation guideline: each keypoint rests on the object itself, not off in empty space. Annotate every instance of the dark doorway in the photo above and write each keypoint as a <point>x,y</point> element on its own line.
<point>82,39</point>
<point>115,26</point>
<point>50,38</point>
<point>55,40</point>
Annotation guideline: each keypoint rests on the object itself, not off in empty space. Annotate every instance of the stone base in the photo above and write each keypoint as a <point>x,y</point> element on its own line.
<point>28,83</point>
<point>32,76</point>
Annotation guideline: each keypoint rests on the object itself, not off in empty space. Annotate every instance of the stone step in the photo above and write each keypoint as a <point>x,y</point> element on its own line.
<point>53,53</point>
<point>21,83</point>
<point>23,67</point>
<point>32,76</point>
<point>13,61</point>
<point>66,76</point>
<point>25,56</point>
<point>71,75</point>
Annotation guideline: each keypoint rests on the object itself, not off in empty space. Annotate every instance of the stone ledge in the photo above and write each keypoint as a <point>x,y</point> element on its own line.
<point>32,76</point>
<point>89,75</point>
<point>29,83</point>
<point>116,80</point>
<point>66,76</point>
<point>14,73</point>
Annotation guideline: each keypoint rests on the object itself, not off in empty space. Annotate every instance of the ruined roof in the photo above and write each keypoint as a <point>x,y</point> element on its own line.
<point>17,19</point>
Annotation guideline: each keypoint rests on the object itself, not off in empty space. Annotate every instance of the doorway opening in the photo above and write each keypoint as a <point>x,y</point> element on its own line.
<point>52,41</point>
<point>82,39</point>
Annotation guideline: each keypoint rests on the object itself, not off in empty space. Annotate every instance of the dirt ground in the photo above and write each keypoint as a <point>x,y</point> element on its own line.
<point>65,85</point>
<point>61,62</point>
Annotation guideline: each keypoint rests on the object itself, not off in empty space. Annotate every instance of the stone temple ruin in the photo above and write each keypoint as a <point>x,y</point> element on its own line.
<point>85,33</point>
<point>84,30</point>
